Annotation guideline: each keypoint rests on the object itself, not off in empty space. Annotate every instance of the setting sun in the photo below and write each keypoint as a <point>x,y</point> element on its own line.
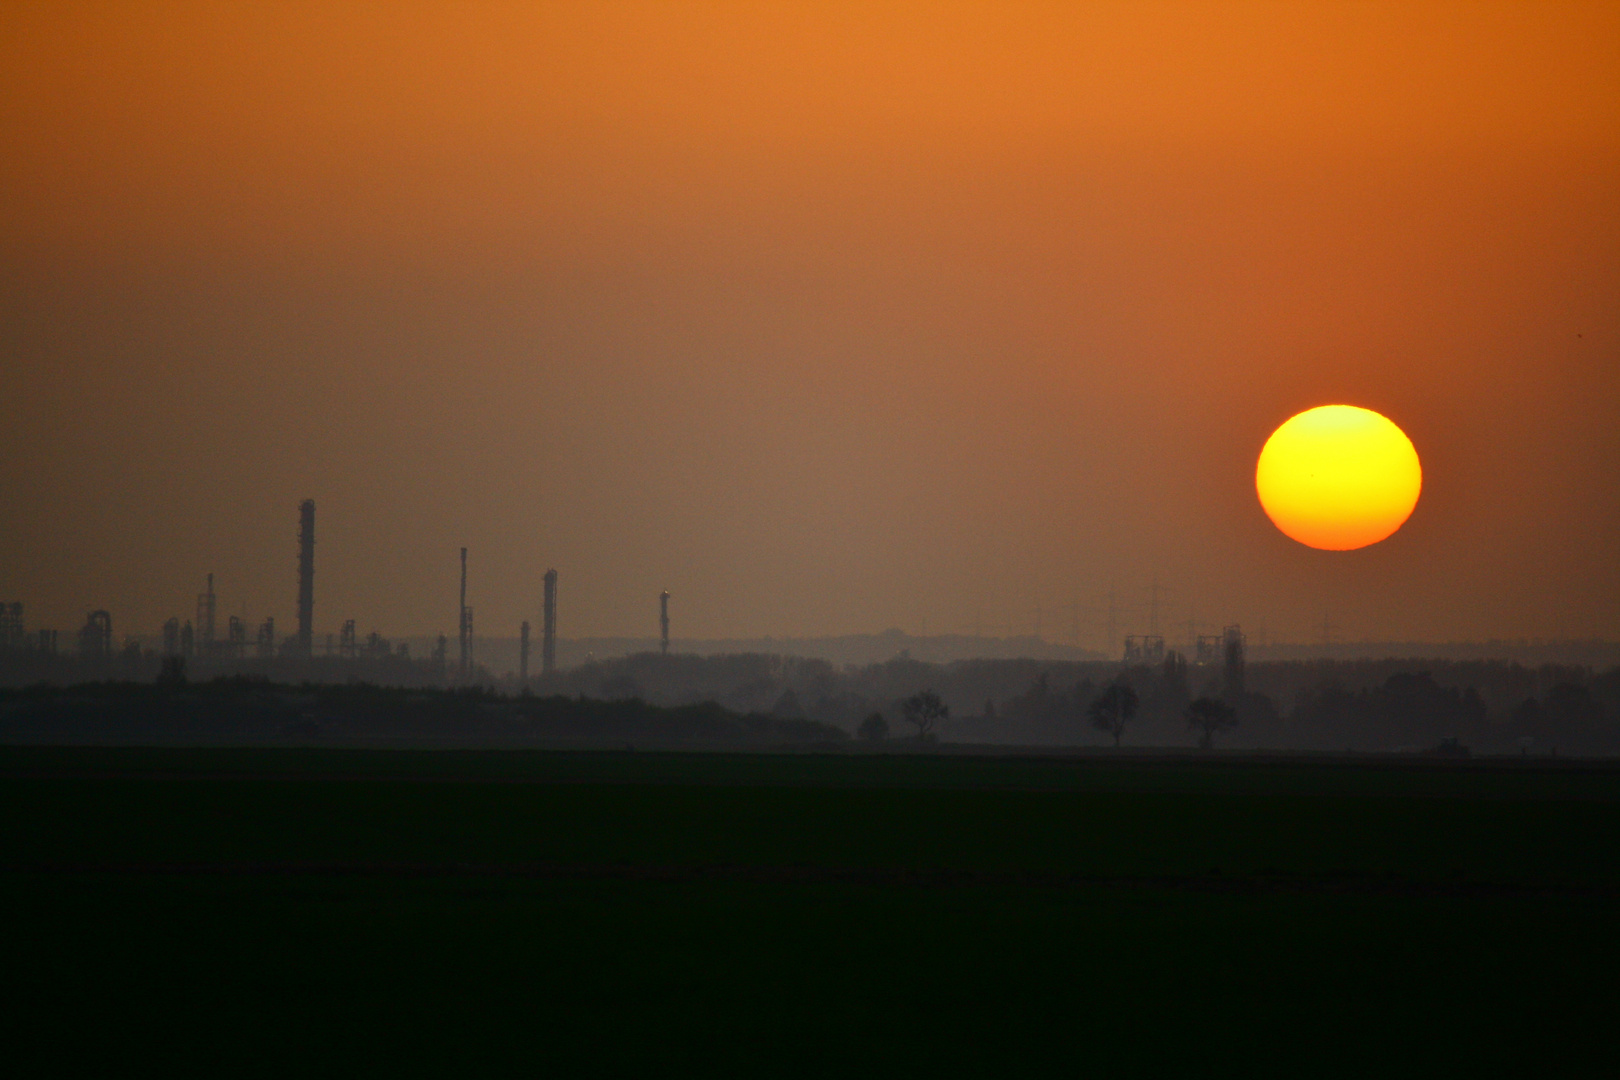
<point>1338,477</point>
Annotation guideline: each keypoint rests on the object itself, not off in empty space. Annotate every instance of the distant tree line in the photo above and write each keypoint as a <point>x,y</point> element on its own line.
<point>1365,705</point>
<point>251,710</point>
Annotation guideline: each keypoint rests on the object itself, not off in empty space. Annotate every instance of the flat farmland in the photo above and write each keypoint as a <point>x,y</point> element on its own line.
<point>326,910</point>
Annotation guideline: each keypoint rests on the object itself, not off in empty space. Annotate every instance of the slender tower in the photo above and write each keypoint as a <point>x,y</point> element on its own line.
<point>663,622</point>
<point>466,622</point>
<point>523,653</point>
<point>306,578</point>
<point>205,618</point>
<point>548,629</point>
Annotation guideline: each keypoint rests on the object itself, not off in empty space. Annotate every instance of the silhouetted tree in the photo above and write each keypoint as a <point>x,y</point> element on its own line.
<point>1113,709</point>
<point>1570,703</point>
<point>1210,715</point>
<point>924,709</point>
<point>874,728</point>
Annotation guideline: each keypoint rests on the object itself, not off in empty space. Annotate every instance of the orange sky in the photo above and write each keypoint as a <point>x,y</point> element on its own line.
<point>825,318</point>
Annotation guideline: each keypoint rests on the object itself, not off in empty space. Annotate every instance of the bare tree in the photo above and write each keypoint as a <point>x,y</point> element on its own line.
<point>924,709</point>
<point>1113,709</point>
<point>1210,715</point>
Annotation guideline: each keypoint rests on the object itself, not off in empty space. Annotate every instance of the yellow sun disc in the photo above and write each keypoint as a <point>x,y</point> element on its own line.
<point>1338,477</point>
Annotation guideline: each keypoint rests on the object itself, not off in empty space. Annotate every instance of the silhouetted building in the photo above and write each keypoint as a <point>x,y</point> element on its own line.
<point>12,635</point>
<point>265,644</point>
<point>1174,671</point>
<point>1144,648</point>
<point>1233,674</point>
<point>440,660</point>
<point>171,637</point>
<point>95,640</point>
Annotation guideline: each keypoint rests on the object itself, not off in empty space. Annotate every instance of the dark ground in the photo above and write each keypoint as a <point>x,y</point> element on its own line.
<point>473,913</point>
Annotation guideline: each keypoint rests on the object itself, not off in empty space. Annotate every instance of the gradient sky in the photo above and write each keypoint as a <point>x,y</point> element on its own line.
<point>826,318</point>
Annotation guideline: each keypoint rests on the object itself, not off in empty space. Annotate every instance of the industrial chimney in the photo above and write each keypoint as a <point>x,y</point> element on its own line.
<point>663,622</point>
<point>306,578</point>
<point>206,606</point>
<point>548,631</point>
<point>466,623</point>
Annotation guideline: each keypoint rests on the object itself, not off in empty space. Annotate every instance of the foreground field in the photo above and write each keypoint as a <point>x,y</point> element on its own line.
<point>437,912</point>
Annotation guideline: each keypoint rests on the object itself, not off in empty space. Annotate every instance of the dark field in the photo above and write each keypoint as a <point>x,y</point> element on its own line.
<point>484,912</point>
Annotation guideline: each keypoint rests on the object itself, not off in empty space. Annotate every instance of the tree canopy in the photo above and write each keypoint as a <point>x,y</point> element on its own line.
<point>925,709</point>
<point>1209,716</point>
<point>1113,709</point>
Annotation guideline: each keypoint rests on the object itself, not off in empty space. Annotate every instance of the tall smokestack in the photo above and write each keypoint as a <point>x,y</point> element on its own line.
<point>663,622</point>
<point>523,653</point>
<point>466,621</point>
<point>548,632</point>
<point>205,618</point>
<point>306,578</point>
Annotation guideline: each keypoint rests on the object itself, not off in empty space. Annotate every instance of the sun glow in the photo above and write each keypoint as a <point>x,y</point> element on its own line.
<point>1338,477</point>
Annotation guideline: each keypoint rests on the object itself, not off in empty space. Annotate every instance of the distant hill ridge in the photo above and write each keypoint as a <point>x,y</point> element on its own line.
<point>501,654</point>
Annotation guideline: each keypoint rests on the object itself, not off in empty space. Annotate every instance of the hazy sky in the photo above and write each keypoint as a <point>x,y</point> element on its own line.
<point>824,317</point>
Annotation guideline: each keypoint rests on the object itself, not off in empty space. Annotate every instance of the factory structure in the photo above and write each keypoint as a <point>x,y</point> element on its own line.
<point>212,642</point>
<point>207,647</point>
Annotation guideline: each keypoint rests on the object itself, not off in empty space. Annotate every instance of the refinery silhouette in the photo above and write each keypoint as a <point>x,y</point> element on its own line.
<point>1020,690</point>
